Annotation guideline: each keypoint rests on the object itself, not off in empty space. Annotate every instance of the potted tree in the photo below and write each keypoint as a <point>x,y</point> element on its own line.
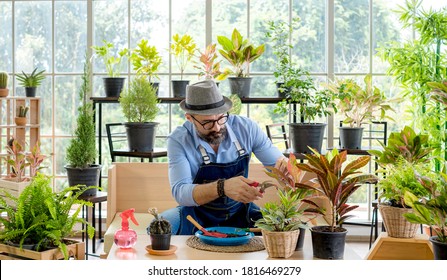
<point>239,53</point>
<point>280,33</point>
<point>40,219</point>
<point>183,48</point>
<point>312,103</point>
<point>4,91</point>
<point>139,106</point>
<point>359,106</point>
<point>113,84</point>
<point>432,211</point>
<point>31,81</point>
<point>337,181</point>
<point>81,152</point>
<point>146,60</point>
<point>160,231</point>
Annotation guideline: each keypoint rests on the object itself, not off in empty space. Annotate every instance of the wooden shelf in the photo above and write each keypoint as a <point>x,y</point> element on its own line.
<point>390,248</point>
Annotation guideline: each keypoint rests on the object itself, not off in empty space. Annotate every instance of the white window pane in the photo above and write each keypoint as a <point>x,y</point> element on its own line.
<point>70,25</point>
<point>6,37</point>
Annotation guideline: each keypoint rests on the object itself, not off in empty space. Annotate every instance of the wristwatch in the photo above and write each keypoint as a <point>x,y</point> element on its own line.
<point>220,187</point>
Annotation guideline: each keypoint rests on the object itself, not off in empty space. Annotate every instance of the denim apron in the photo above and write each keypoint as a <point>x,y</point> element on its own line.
<point>222,211</point>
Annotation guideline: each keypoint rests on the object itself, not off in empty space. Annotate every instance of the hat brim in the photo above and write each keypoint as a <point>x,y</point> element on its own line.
<point>214,111</point>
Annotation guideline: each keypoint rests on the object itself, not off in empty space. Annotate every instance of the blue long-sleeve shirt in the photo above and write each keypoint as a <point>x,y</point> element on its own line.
<point>185,158</point>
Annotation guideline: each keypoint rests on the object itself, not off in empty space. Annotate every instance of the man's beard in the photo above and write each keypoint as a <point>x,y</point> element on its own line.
<point>214,138</point>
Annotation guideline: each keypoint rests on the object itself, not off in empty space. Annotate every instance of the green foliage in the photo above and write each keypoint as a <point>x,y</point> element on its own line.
<point>23,111</point>
<point>209,68</point>
<point>146,59</point>
<point>81,152</point>
<point>405,144</point>
<point>439,92</point>
<point>113,62</point>
<point>415,63</point>
<point>239,53</point>
<point>334,182</point>
<point>283,216</point>
<point>301,90</point>
<point>40,216</point>
<point>402,177</point>
<point>4,79</point>
<point>158,225</point>
<point>139,102</point>
<point>280,34</point>
<point>183,49</point>
<point>359,105</point>
<point>431,210</point>
<point>237,104</point>
<point>31,80</point>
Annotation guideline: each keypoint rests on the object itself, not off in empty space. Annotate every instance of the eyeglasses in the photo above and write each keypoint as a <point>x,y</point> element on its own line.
<point>208,125</point>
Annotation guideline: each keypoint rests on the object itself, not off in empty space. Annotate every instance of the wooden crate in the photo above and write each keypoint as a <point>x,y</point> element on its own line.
<point>391,248</point>
<point>11,187</point>
<point>75,250</point>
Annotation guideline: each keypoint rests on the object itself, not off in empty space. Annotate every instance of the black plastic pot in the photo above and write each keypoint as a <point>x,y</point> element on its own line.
<point>84,176</point>
<point>281,91</point>
<point>300,242</point>
<point>113,86</point>
<point>240,86</point>
<point>179,88</point>
<point>161,241</point>
<point>351,137</point>
<point>156,86</point>
<point>30,91</point>
<point>304,135</point>
<point>439,248</point>
<point>141,136</point>
<point>326,244</point>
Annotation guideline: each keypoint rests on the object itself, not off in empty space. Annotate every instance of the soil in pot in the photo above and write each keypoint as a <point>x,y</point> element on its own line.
<point>328,245</point>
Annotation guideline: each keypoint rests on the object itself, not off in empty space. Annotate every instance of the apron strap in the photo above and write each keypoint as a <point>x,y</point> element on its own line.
<point>240,150</point>
<point>205,157</point>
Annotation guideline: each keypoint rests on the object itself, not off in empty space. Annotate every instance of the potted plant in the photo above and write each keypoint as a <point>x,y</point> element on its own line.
<point>359,106</point>
<point>400,177</point>
<point>4,91</point>
<point>18,160</point>
<point>312,103</point>
<point>139,106</point>
<point>207,64</point>
<point>183,48</point>
<point>280,34</point>
<point>239,53</point>
<point>337,181</point>
<point>40,219</point>
<point>280,223</point>
<point>146,60</point>
<point>20,119</point>
<point>432,211</point>
<point>81,152</point>
<point>113,84</point>
<point>160,231</point>
<point>31,81</point>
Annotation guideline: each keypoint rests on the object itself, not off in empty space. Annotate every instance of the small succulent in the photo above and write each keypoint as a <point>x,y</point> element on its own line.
<point>3,79</point>
<point>23,111</point>
<point>159,225</point>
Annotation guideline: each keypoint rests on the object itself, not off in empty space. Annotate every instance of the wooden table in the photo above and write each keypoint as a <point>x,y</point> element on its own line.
<point>184,252</point>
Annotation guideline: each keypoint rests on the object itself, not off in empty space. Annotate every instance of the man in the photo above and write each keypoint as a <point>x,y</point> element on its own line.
<point>208,162</point>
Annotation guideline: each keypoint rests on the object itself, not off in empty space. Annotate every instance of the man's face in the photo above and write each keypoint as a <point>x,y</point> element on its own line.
<point>208,127</point>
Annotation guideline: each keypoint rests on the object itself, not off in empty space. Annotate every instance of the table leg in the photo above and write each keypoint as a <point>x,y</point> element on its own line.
<point>94,225</point>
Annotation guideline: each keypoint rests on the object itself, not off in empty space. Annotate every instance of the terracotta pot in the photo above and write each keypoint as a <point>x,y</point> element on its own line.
<point>20,121</point>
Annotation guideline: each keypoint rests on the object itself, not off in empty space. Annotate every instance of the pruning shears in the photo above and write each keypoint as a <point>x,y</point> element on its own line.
<point>264,185</point>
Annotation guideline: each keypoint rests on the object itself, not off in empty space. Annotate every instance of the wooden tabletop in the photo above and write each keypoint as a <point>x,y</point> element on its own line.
<point>184,252</point>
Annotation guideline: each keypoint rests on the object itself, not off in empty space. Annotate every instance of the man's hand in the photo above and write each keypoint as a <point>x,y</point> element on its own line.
<point>238,188</point>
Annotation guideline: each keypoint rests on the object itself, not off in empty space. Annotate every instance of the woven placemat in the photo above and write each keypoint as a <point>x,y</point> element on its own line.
<point>255,244</point>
